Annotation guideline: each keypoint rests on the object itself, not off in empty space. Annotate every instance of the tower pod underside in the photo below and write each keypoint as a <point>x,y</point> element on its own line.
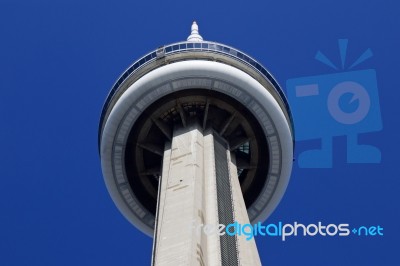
<point>217,90</point>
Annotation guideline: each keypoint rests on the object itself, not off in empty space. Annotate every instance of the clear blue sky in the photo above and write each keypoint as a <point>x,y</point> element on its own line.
<point>58,60</point>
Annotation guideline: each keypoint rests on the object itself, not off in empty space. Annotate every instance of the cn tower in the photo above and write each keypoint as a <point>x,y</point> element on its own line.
<point>196,133</point>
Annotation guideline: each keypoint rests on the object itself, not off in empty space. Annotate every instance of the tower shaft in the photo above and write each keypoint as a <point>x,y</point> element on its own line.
<point>199,189</point>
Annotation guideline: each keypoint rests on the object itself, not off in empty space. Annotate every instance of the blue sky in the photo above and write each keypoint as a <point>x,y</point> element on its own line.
<point>58,60</point>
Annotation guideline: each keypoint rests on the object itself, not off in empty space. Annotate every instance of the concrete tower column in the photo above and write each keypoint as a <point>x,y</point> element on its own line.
<point>200,190</point>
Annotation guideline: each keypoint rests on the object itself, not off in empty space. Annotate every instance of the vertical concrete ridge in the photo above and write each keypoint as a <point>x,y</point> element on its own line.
<point>201,191</point>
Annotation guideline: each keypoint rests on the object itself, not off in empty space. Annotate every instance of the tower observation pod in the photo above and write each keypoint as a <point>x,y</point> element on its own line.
<point>193,137</point>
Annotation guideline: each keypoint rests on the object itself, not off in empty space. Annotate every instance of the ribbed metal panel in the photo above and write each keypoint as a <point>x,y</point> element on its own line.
<point>229,254</point>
